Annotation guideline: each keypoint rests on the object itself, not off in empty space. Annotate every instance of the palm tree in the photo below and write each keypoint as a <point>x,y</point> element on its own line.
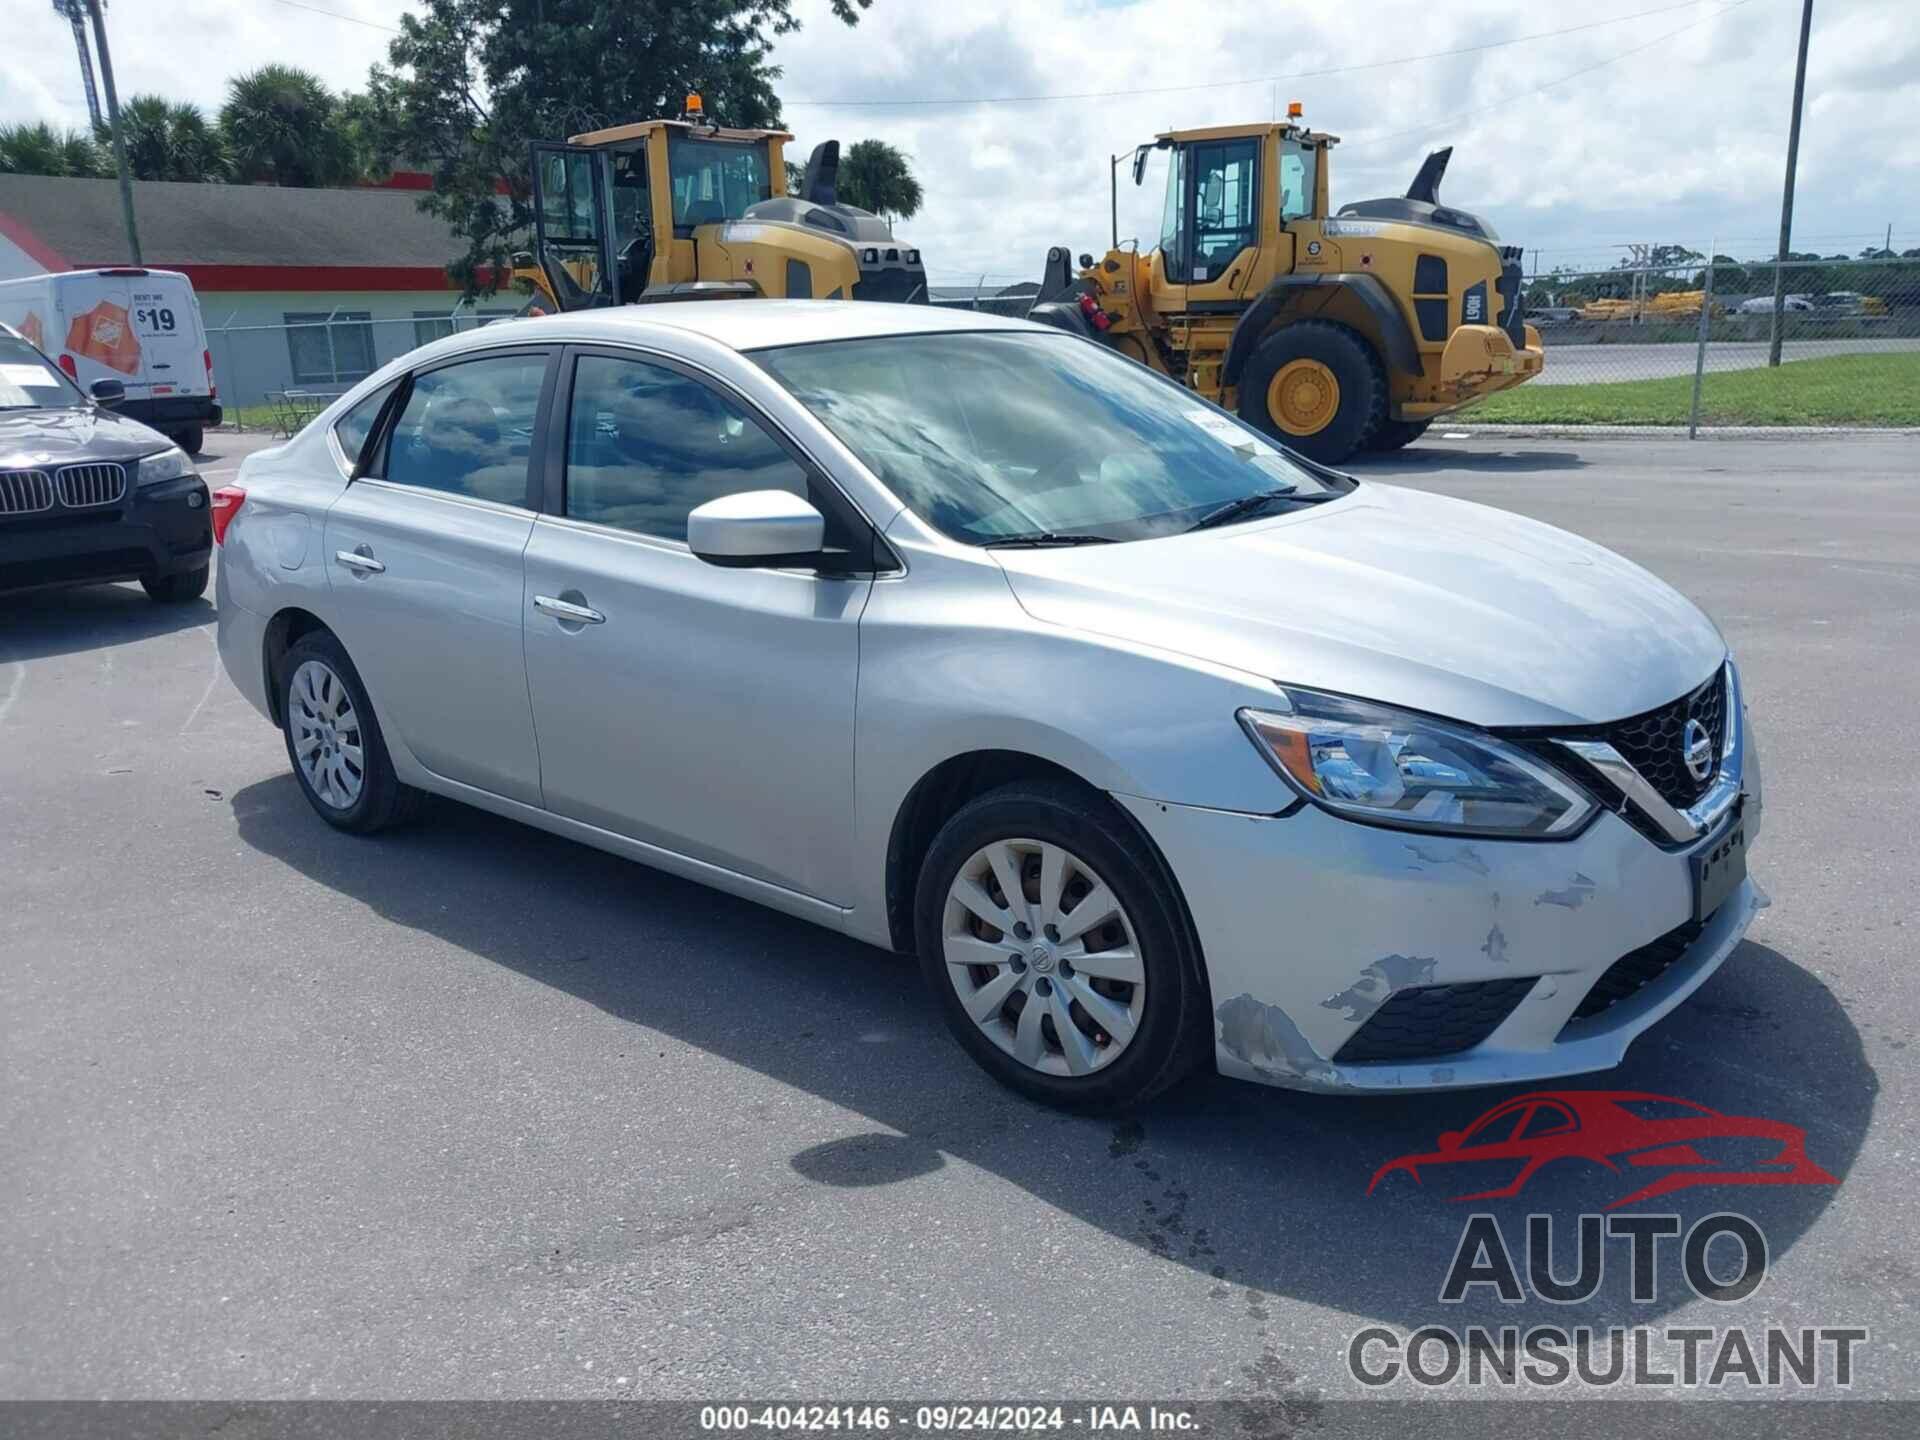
<point>284,127</point>
<point>39,149</point>
<point>875,176</point>
<point>166,141</point>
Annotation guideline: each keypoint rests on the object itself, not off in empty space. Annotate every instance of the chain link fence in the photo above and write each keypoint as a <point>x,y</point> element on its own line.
<point>1692,345</point>
<point>1697,344</point>
<point>277,377</point>
<point>1707,345</point>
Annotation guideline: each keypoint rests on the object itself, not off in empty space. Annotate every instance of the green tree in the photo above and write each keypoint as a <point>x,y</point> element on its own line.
<point>286,128</point>
<point>39,149</point>
<point>875,176</point>
<point>472,82</point>
<point>166,141</point>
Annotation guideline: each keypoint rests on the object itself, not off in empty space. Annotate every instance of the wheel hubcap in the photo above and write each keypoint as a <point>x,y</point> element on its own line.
<point>1044,957</point>
<point>326,735</point>
<point>1303,397</point>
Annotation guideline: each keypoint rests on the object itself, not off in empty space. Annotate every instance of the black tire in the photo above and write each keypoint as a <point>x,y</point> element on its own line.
<point>382,800</point>
<point>1397,434</point>
<point>1345,352</point>
<point>177,589</point>
<point>1171,1036</point>
<point>190,440</point>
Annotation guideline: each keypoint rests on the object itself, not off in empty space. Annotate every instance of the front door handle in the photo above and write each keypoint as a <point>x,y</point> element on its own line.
<point>359,560</point>
<point>568,611</point>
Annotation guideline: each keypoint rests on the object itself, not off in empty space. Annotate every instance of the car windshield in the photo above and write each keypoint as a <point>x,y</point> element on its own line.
<point>994,436</point>
<point>30,381</point>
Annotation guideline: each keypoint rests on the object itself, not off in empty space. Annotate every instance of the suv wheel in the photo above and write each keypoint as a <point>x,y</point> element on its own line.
<point>177,589</point>
<point>1055,950</point>
<point>334,740</point>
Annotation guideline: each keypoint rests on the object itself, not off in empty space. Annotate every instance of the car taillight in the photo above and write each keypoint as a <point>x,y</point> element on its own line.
<point>206,359</point>
<point>66,364</point>
<point>227,501</point>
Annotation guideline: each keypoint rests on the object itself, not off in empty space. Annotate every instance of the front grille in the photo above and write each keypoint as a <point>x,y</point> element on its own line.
<point>1637,969</point>
<point>1429,1021</point>
<point>82,487</point>
<point>25,492</point>
<point>1654,743</point>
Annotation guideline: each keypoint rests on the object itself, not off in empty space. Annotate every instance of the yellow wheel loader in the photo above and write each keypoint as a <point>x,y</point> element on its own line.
<point>688,210</point>
<point>1332,332</point>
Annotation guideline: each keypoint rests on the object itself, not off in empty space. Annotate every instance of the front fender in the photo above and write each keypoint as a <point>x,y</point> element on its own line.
<point>1395,337</point>
<point>951,665</point>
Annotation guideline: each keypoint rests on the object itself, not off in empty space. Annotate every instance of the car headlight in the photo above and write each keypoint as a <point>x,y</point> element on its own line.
<point>169,464</point>
<point>1390,767</point>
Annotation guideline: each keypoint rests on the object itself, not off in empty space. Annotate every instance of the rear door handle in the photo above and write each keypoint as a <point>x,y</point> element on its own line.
<point>568,611</point>
<point>359,560</point>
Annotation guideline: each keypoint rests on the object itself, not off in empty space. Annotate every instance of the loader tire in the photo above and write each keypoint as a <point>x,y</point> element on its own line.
<point>1316,386</point>
<point>1397,434</point>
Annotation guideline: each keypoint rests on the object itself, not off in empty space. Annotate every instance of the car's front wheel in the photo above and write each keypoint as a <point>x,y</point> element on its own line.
<point>334,741</point>
<point>1055,949</point>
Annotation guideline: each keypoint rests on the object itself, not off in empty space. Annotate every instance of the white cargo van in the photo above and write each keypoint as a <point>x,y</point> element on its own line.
<point>140,327</point>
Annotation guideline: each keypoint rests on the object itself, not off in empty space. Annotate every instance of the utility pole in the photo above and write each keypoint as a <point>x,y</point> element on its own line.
<point>74,12</point>
<point>1786,198</point>
<point>119,134</point>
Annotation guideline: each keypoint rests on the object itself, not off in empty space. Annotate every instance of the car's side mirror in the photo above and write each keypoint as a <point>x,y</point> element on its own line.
<point>757,527</point>
<point>1450,1140</point>
<point>107,392</point>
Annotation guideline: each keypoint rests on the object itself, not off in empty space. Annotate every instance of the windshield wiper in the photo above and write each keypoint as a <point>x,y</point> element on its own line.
<point>1045,539</point>
<point>1246,504</point>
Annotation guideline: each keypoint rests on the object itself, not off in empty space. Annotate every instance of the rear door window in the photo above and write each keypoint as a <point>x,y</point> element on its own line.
<point>467,429</point>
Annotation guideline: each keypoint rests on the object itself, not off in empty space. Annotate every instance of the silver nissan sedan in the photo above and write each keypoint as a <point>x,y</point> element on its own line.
<point>1150,740</point>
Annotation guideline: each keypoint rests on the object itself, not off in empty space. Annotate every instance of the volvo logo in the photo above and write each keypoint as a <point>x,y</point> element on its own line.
<point>1696,748</point>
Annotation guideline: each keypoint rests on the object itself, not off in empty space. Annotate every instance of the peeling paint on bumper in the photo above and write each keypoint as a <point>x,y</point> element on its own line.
<point>1309,923</point>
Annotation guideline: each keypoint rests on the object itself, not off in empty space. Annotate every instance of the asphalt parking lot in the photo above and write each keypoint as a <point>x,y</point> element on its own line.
<point>470,1111</point>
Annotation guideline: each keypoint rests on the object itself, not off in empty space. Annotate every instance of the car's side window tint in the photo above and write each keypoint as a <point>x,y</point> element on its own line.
<point>646,444</point>
<point>352,428</point>
<point>467,429</point>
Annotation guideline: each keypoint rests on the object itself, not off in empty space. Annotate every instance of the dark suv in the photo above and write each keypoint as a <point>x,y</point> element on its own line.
<point>88,496</point>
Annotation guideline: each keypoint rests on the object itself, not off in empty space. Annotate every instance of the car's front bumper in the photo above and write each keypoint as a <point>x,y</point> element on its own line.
<point>152,532</point>
<point>1309,924</point>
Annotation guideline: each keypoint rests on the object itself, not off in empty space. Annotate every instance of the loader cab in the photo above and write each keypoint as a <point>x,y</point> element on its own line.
<point>1231,193</point>
<point>617,212</point>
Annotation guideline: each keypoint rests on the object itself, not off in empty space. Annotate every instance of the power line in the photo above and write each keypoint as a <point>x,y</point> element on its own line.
<point>336,15</point>
<point>1457,116</point>
<point>1250,80</point>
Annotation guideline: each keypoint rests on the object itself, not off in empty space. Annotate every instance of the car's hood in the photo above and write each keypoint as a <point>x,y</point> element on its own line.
<point>58,437</point>
<point>1413,599</point>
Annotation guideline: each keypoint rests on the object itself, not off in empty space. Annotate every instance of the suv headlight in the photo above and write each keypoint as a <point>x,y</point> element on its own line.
<point>1391,767</point>
<point>169,464</point>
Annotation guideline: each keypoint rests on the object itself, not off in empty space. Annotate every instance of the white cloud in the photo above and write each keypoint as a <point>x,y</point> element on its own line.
<point>1681,142</point>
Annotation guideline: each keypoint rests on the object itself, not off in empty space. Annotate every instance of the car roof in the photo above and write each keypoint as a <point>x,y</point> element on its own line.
<point>751,324</point>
